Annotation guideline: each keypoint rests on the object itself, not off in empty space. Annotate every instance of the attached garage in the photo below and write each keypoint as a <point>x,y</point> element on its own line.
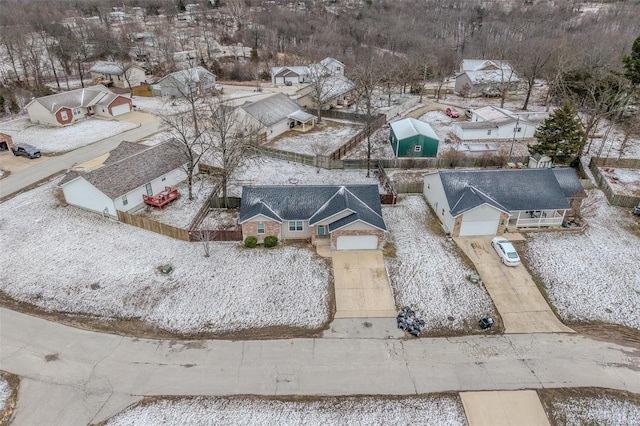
<point>120,109</point>
<point>357,242</point>
<point>482,220</point>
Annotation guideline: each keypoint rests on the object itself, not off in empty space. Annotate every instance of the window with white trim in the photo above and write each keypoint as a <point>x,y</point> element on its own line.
<point>489,132</point>
<point>417,148</point>
<point>63,115</point>
<point>124,200</point>
<point>296,225</point>
<point>260,228</point>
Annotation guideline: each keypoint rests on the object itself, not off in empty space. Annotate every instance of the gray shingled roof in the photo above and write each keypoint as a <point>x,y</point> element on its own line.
<point>194,74</point>
<point>74,98</point>
<point>131,172</point>
<point>517,189</point>
<point>123,150</point>
<point>294,202</point>
<point>108,68</point>
<point>471,197</point>
<point>569,182</point>
<point>271,110</point>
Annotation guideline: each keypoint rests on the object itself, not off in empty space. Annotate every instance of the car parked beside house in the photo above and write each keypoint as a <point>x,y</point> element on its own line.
<point>26,150</point>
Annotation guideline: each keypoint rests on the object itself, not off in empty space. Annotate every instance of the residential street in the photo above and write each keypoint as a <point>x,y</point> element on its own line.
<point>18,180</point>
<point>72,376</point>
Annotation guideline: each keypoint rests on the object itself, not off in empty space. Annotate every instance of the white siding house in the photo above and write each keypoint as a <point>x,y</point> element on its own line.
<point>272,116</point>
<point>109,73</point>
<point>491,122</point>
<point>486,202</point>
<point>130,172</point>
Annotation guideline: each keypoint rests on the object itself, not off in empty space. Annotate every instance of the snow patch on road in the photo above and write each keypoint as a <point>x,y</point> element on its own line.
<point>442,410</point>
<point>427,273</point>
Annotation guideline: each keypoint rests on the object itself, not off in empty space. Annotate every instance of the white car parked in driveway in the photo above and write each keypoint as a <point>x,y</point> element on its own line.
<point>506,251</point>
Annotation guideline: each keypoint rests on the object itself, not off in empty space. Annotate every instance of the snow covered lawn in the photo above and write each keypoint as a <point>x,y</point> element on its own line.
<point>593,276</point>
<point>322,140</point>
<point>63,139</point>
<point>427,272</point>
<point>437,410</point>
<point>591,407</point>
<point>73,261</point>
<point>269,171</point>
<point>623,181</point>
<point>380,146</point>
<point>5,393</point>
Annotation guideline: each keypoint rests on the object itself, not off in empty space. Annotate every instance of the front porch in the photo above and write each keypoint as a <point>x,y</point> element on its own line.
<point>537,218</point>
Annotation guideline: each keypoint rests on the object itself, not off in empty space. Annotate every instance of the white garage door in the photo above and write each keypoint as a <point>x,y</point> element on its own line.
<point>120,109</point>
<point>358,242</point>
<point>479,227</point>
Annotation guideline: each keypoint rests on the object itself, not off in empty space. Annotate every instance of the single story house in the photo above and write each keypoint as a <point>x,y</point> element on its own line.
<point>486,202</point>
<point>67,107</point>
<point>491,122</point>
<point>293,75</point>
<point>304,74</point>
<point>112,74</point>
<point>334,90</point>
<point>179,84</point>
<point>6,142</point>
<point>485,77</point>
<point>349,217</point>
<point>274,115</point>
<point>130,171</point>
<point>413,138</point>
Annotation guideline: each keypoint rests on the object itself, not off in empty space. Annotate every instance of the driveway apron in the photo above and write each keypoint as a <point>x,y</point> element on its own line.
<point>519,408</point>
<point>522,308</point>
<point>361,285</point>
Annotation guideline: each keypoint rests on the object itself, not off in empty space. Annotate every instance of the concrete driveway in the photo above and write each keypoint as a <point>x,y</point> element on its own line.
<point>361,285</point>
<point>518,408</point>
<point>522,308</point>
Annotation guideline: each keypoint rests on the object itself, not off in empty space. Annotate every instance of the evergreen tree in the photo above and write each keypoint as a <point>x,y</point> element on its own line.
<point>561,136</point>
<point>631,64</point>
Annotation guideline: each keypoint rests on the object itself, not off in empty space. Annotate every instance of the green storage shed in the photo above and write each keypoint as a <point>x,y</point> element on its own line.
<point>413,138</point>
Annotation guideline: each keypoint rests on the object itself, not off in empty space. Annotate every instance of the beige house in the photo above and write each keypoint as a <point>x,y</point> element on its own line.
<point>120,76</point>
<point>68,107</point>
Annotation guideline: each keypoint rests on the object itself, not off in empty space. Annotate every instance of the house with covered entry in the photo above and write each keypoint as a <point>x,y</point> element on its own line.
<point>334,90</point>
<point>487,202</point>
<point>413,138</point>
<point>480,77</point>
<point>122,76</point>
<point>68,107</point>
<point>273,116</point>
<point>491,122</point>
<point>129,172</point>
<point>346,217</point>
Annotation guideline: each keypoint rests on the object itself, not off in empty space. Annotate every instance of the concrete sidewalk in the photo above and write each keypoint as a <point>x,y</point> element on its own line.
<point>504,408</point>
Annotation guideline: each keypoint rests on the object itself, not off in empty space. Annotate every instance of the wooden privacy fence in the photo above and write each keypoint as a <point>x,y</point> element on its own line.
<point>392,195</point>
<point>153,226</point>
<point>142,90</point>
<point>279,154</point>
<point>609,189</point>
<point>216,235</point>
<point>218,202</point>
<point>380,120</point>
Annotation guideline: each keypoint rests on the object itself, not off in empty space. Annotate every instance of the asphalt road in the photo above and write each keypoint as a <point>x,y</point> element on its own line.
<point>73,377</point>
<point>24,178</point>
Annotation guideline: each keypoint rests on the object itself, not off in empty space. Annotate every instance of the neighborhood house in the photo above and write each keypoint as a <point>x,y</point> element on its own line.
<point>347,217</point>
<point>305,74</point>
<point>130,171</point>
<point>491,122</point>
<point>179,84</point>
<point>68,107</point>
<point>485,77</point>
<point>486,202</point>
<point>335,90</point>
<point>121,76</point>
<point>413,138</point>
<point>273,116</point>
